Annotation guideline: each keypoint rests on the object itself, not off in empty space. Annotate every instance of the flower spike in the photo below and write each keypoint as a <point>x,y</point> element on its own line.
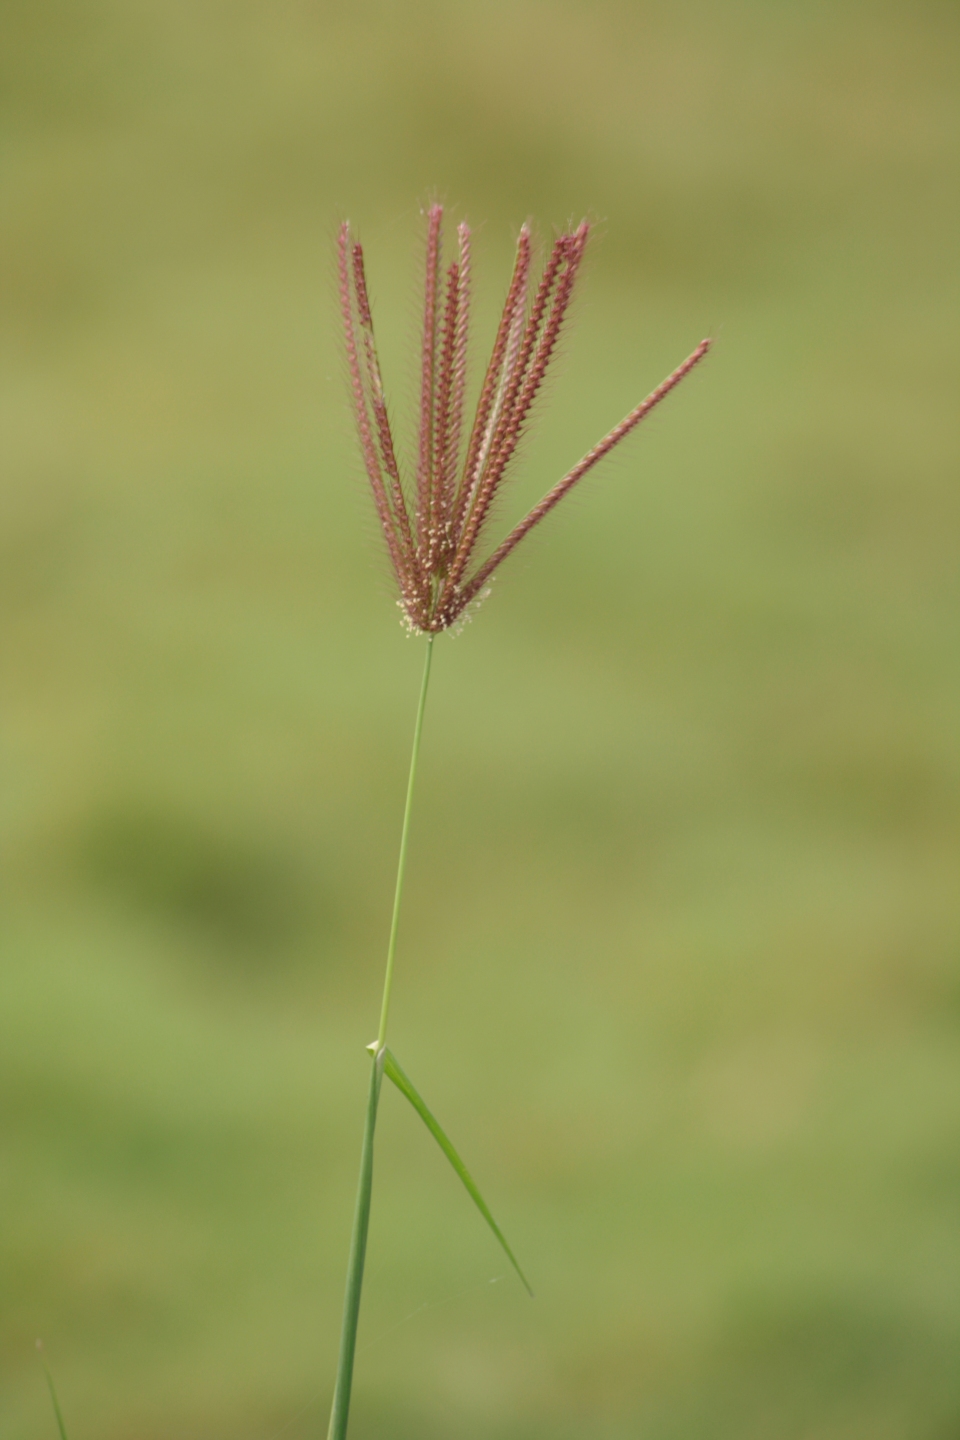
<point>432,550</point>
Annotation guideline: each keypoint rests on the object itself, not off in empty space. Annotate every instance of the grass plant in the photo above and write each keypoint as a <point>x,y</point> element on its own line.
<point>432,538</point>
<point>679,962</point>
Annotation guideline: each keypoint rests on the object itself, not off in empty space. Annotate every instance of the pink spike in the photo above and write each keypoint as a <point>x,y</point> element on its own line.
<point>508,428</point>
<point>537,365</point>
<point>373,388</point>
<point>427,375</point>
<point>554,496</point>
<point>491,380</point>
<point>445,460</point>
<point>361,414</point>
<point>459,377</point>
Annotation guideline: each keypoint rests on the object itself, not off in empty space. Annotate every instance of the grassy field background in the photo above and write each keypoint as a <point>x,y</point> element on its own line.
<point>680,961</point>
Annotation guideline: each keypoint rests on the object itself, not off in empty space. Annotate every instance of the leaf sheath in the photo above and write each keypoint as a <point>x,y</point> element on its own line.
<point>358,1251</point>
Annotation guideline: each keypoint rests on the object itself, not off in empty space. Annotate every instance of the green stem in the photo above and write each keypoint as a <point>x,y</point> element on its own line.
<point>361,1215</point>
<point>358,1251</point>
<point>53,1394</point>
<point>404,836</point>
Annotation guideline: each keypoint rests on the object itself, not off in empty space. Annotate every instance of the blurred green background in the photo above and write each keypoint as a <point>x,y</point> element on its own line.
<point>680,960</point>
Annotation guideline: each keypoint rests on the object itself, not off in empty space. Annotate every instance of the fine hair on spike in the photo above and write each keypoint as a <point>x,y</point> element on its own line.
<point>433,547</point>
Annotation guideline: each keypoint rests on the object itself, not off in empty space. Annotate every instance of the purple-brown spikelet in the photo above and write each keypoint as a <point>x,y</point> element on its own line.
<point>432,537</point>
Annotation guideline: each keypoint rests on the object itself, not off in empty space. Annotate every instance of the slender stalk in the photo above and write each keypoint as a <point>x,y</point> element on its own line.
<point>402,864</point>
<point>361,1215</point>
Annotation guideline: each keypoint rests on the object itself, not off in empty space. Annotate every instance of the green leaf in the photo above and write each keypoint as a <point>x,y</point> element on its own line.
<point>393,1072</point>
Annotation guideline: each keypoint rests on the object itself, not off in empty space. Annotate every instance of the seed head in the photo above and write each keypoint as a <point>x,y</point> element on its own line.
<point>433,535</point>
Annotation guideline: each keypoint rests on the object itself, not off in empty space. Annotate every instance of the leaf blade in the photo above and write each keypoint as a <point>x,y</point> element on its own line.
<point>406,1087</point>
